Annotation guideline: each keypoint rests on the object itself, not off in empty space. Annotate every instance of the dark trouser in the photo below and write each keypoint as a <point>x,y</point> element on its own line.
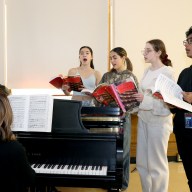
<point>184,145</point>
<point>126,151</point>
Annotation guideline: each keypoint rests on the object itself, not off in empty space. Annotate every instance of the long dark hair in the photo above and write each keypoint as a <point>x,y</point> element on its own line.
<point>121,52</point>
<point>158,45</point>
<point>91,64</point>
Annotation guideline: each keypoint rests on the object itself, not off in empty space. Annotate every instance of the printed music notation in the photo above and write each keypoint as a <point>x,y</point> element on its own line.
<point>32,112</point>
<point>171,92</point>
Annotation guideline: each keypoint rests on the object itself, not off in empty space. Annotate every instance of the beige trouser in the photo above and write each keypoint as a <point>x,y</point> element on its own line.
<point>151,159</point>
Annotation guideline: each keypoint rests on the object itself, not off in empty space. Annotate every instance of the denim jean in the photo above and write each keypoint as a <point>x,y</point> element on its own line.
<point>126,150</point>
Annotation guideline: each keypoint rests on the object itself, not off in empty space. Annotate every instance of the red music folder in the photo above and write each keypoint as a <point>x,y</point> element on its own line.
<point>74,81</point>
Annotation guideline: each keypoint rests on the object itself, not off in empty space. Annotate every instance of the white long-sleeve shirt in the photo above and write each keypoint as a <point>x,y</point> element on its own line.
<point>152,109</point>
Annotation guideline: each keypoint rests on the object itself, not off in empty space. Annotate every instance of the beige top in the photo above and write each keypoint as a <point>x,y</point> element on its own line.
<point>152,109</point>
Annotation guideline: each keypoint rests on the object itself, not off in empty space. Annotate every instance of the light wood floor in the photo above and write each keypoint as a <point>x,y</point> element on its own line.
<point>177,183</point>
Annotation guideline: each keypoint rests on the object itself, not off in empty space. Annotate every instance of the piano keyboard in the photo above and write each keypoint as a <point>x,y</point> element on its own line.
<point>70,169</point>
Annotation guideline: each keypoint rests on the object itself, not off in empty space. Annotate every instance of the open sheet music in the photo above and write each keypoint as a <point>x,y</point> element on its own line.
<point>171,92</point>
<point>32,112</point>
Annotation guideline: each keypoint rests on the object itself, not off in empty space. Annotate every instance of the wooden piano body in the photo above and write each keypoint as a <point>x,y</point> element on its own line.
<point>75,154</point>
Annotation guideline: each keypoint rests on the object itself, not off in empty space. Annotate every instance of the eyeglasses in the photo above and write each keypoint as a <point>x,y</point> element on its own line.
<point>187,42</point>
<point>146,51</point>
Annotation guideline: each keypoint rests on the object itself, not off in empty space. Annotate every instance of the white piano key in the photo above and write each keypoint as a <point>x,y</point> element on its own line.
<point>79,170</point>
<point>94,170</point>
<point>104,170</point>
<point>69,169</point>
<point>89,171</point>
<point>65,169</point>
<point>74,170</point>
<point>83,170</point>
<point>42,169</point>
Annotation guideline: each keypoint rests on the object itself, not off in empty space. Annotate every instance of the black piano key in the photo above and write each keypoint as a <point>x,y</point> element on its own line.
<point>72,167</point>
<point>36,165</point>
<point>53,166</point>
<point>49,166</point>
<point>39,165</point>
<point>76,167</point>
<point>46,165</point>
<point>69,167</point>
<point>60,166</point>
<point>83,167</point>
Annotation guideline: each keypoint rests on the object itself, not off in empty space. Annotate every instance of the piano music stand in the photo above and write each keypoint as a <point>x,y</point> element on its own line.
<point>67,117</point>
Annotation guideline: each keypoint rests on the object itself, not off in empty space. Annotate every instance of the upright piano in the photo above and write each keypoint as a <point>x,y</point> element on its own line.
<point>84,148</point>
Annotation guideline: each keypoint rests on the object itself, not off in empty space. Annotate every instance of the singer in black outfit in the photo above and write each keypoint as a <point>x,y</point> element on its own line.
<point>182,118</point>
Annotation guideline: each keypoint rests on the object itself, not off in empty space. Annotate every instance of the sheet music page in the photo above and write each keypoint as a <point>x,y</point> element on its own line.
<point>171,92</point>
<point>32,112</point>
<point>165,84</point>
<point>20,107</point>
<point>40,113</point>
<point>177,102</point>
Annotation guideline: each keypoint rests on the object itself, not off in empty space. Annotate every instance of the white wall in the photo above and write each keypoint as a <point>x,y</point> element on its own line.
<point>2,77</point>
<point>135,22</point>
<point>44,37</point>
